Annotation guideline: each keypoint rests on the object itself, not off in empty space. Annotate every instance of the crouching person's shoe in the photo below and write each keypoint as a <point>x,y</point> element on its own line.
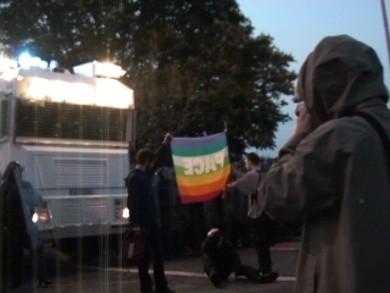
<point>215,280</point>
<point>267,277</point>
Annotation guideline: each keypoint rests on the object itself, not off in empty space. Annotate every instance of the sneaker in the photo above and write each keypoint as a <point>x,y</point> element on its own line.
<point>269,277</point>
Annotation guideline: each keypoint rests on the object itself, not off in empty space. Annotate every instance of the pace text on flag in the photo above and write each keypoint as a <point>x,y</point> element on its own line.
<point>202,166</point>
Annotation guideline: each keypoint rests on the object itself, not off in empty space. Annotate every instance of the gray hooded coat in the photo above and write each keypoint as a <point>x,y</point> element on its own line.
<point>336,179</point>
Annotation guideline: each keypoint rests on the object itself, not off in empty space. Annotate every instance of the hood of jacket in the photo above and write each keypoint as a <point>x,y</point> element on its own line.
<point>340,76</point>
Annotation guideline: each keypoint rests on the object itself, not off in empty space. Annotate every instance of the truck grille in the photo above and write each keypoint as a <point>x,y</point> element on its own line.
<point>82,211</point>
<point>80,173</point>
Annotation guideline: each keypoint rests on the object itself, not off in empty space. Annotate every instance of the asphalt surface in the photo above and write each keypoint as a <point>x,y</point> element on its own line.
<point>183,275</point>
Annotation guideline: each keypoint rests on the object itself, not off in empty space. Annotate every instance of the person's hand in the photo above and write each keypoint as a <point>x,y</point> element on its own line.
<point>305,122</point>
<point>224,193</point>
<point>167,139</point>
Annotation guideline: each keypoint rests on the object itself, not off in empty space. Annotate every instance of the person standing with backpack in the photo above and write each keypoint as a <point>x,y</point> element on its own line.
<point>262,226</point>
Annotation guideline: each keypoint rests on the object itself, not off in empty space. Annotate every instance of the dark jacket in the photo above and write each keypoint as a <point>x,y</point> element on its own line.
<point>336,178</point>
<point>141,200</point>
<point>13,214</point>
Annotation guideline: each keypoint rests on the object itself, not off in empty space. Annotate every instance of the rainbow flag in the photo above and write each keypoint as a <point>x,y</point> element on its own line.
<point>202,166</point>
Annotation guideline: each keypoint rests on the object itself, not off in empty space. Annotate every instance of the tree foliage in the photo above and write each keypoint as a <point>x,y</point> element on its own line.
<point>195,66</point>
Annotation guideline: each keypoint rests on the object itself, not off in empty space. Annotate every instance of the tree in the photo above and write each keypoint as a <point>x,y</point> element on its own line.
<point>195,66</point>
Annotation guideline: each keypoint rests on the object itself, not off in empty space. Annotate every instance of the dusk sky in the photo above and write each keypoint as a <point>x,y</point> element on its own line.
<point>298,25</point>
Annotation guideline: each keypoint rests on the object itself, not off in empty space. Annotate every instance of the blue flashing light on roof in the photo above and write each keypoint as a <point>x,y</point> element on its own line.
<point>26,61</point>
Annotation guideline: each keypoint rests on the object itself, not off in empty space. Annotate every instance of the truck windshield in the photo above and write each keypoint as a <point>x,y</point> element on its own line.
<point>52,120</point>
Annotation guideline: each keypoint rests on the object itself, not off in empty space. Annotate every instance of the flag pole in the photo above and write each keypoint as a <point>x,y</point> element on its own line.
<point>386,24</point>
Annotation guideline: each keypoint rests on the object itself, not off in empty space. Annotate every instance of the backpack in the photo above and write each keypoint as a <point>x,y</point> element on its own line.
<point>379,129</point>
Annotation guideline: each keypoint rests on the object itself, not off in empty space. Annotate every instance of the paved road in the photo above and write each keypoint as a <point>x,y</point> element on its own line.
<point>184,275</point>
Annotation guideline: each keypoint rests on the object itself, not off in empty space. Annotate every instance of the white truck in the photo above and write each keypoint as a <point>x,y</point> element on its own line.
<point>71,132</point>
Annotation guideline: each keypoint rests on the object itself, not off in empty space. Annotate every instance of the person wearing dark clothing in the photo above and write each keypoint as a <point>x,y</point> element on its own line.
<point>17,233</point>
<point>235,218</point>
<point>144,219</point>
<point>220,260</point>
<point>169,200</point>
<point>172,218</point>
<point>196,229</point>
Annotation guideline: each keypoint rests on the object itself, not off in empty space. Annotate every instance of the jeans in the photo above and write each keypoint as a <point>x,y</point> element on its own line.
<point>153,252</point>
<point>263,229</point>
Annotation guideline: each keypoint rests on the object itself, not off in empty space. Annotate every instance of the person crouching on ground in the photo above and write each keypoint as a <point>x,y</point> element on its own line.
<point>220,260</point>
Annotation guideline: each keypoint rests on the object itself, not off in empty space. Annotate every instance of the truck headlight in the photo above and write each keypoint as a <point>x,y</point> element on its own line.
<point>41,215</point>
<point>125,213</point>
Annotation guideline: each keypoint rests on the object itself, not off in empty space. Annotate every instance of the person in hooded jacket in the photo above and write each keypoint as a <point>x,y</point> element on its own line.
<point>333,173</point>
<point>18,234</point>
